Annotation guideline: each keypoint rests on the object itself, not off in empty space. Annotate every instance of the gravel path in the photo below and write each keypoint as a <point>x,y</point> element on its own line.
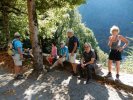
<point>57,85</point>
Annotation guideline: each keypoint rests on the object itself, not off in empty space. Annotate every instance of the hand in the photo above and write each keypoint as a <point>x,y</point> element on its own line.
<point>21,56</point>
<point>83,65</point>
<point>111,39</point>
<point>72,54</point>
<point>120,49</point>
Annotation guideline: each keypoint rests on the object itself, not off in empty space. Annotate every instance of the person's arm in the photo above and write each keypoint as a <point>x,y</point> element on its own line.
<point>90,62</point>
<point>75,47</point>
<point>123,39</point>
<point>19,46</point>
<point>56,51</point>
<point>20,52</point>
<point>110,41</point>
<point>82,61</point>
<point>51,53</point>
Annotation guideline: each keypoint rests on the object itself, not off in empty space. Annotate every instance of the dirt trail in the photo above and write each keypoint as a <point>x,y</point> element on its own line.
<point>57,85</point>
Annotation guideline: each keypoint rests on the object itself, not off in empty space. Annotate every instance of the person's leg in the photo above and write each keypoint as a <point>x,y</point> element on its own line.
<point>61,60</point>
<point>109,69</point>
<point>90,69</point>
<point>55,64</point>
<point>74,66</point>
<point>21,70</point>
<point>47,58</point>
<point>110,65</point>
<point>117,68</point>
<point>18,67</point>
<point>80,71</point>
<point>17,70</point>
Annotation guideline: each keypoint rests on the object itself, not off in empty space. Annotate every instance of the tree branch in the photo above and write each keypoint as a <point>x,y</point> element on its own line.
<point>12,9</point>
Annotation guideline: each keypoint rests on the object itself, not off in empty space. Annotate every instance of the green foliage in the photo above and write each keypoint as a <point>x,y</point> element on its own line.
<point>130,46</point>
<point>18,24</point>
<point>127,65</point>
<point>55,23</point>
<point>18,21</point>
<point>14,6</point>
<point>44,5</point>
<point>102,56</point>
<point>8,10</point>
<point>55,18</point>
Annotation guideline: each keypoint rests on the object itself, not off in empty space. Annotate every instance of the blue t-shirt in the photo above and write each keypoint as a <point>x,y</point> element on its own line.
<point>17,44</point>
<point>63,51</point>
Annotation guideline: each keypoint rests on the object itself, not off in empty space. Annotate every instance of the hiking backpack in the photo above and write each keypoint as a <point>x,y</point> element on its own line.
<point>11,48</point>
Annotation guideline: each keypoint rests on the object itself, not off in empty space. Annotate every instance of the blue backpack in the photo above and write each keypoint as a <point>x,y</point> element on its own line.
<point>11,48</point>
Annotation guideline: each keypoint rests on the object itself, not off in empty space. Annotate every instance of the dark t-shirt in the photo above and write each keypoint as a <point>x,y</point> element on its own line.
<point>71,42</point>
<point>27,43</point>
<point>87,56</point>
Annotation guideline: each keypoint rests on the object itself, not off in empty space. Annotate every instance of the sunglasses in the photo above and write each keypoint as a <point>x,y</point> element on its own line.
<point>86,46</point>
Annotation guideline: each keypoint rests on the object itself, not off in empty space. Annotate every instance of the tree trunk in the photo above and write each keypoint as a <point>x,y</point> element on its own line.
<point>5,16</point>
<point>33,28</point>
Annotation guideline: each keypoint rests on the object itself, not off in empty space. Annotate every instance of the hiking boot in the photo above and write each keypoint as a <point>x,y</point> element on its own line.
<point>80,77</point>
<point>117,76</point>
<point>74,74</point>
<point>89,81</point>
<point>108,75</point>
<point>18,77</point>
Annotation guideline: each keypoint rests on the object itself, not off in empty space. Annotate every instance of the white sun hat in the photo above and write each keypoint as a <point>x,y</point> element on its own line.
<point>114,27</point>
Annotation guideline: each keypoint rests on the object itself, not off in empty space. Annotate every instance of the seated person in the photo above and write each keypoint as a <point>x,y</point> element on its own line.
<point>53,54</point>
<point>87,62</point>
<point>63,55</point>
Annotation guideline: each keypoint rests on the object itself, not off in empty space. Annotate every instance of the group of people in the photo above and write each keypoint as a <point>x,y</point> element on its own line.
<point>68,53</point>
<point>88,60</point>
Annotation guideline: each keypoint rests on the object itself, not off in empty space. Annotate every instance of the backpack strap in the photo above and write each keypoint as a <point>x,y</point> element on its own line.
<point>13,42</point>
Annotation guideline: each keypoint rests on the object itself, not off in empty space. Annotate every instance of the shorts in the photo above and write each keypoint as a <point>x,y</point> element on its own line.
<point>17,60</point>
<point>50,59</point>
<point>72,59</point>
<point>115,55</point>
